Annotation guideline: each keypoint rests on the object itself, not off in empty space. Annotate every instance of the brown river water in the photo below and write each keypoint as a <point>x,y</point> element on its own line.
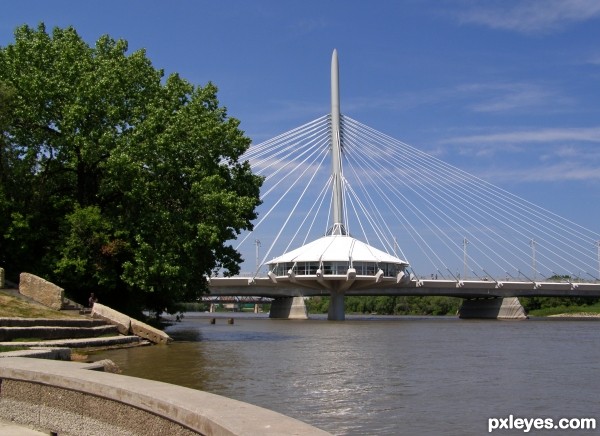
<point>386,375</point>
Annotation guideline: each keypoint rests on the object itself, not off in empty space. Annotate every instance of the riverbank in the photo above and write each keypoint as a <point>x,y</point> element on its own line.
<point>143,406</point>
<point>15,305</point>
<point>27,325</point>
<point>581,311</point>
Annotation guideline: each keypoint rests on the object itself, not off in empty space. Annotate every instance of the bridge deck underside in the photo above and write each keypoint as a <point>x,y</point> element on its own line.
<point>370,286</point>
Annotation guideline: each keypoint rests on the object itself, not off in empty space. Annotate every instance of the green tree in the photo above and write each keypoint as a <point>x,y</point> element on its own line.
<point>115,179</point>
<point>7,98</point>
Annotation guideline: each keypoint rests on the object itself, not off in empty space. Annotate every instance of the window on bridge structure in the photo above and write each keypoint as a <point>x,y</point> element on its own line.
<point>281,269</point>
<point>359,267</point>
<point>389,269</point>
<point>301,269</point>
<point>335,268</point>
<point>371,268</point>
<point>365,268</point>
<point>306,268</point>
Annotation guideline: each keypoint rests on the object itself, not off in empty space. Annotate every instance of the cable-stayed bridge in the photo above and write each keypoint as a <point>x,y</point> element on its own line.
<point>349,210</point>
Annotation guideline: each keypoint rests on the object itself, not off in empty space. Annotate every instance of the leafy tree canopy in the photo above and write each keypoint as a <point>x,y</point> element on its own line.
<point>115,179</point>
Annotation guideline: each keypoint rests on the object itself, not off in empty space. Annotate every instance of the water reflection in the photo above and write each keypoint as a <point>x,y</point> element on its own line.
<point>410,375</point>
<point>182,364</point>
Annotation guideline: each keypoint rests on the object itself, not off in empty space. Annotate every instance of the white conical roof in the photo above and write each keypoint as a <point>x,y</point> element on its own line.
<point>340,248</point>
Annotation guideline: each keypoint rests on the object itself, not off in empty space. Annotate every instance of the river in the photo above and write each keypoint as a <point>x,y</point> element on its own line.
<point>386,375</point>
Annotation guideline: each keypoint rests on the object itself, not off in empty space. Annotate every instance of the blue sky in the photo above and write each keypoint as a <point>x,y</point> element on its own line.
<point>506,90</point>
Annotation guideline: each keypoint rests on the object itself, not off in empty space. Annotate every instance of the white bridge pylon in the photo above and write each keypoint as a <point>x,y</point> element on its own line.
<point>382,190</point>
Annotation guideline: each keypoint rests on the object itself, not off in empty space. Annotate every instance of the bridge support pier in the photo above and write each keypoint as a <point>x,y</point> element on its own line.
<point>492,308</point>
<point>337,308</point>
<point>288,308</point>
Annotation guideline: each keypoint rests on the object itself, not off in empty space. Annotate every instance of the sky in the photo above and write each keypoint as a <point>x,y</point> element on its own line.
<point>507,90</point>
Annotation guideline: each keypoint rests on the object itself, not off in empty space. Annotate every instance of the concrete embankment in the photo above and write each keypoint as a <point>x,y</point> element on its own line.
<point>70,332</point>
<point>52,353</point>
<point>52,296</point>
<point>54,332</point>
<point>68,398</point>
<point>109,341</point>
<point>51,322</point>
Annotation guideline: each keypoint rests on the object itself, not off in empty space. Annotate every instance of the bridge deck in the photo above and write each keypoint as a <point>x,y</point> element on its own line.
<point>370,286</point>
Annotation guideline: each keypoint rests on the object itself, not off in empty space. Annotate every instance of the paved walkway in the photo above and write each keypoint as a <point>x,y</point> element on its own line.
<point>12,429</point>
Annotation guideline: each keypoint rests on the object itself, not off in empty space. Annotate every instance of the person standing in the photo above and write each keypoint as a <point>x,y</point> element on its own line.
<point>93,299</point>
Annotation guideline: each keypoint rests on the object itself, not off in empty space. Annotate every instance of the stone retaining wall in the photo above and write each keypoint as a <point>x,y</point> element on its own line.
<point>68,399</point>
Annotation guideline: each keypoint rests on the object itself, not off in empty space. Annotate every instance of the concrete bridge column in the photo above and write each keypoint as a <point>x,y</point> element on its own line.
<point>256,308</point>
<point>288,308</point>
<point>212,308</point>
<point>492,308</point>
<point>336,307</point>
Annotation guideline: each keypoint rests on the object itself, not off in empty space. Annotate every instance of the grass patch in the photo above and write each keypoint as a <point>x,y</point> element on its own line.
<point>6,348</point>
<point>14,307</point>
<point>27,340</point>
<point>558,310</point>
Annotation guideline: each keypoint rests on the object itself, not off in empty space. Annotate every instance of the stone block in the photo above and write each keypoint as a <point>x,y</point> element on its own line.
<point>149,333</point>
<point>41,290</point>
<point>122,321</point>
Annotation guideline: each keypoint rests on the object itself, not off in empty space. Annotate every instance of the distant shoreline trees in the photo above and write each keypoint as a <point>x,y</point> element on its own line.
<point>436,305</point>
<point>385,305</point>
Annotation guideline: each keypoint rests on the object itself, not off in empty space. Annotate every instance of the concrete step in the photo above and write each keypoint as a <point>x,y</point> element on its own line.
<point>50,322</point>
<point>71,305</point>
<point>51,353</point>
<point>85,311</point>
<point>82,343</point>
<point>54,332</point>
